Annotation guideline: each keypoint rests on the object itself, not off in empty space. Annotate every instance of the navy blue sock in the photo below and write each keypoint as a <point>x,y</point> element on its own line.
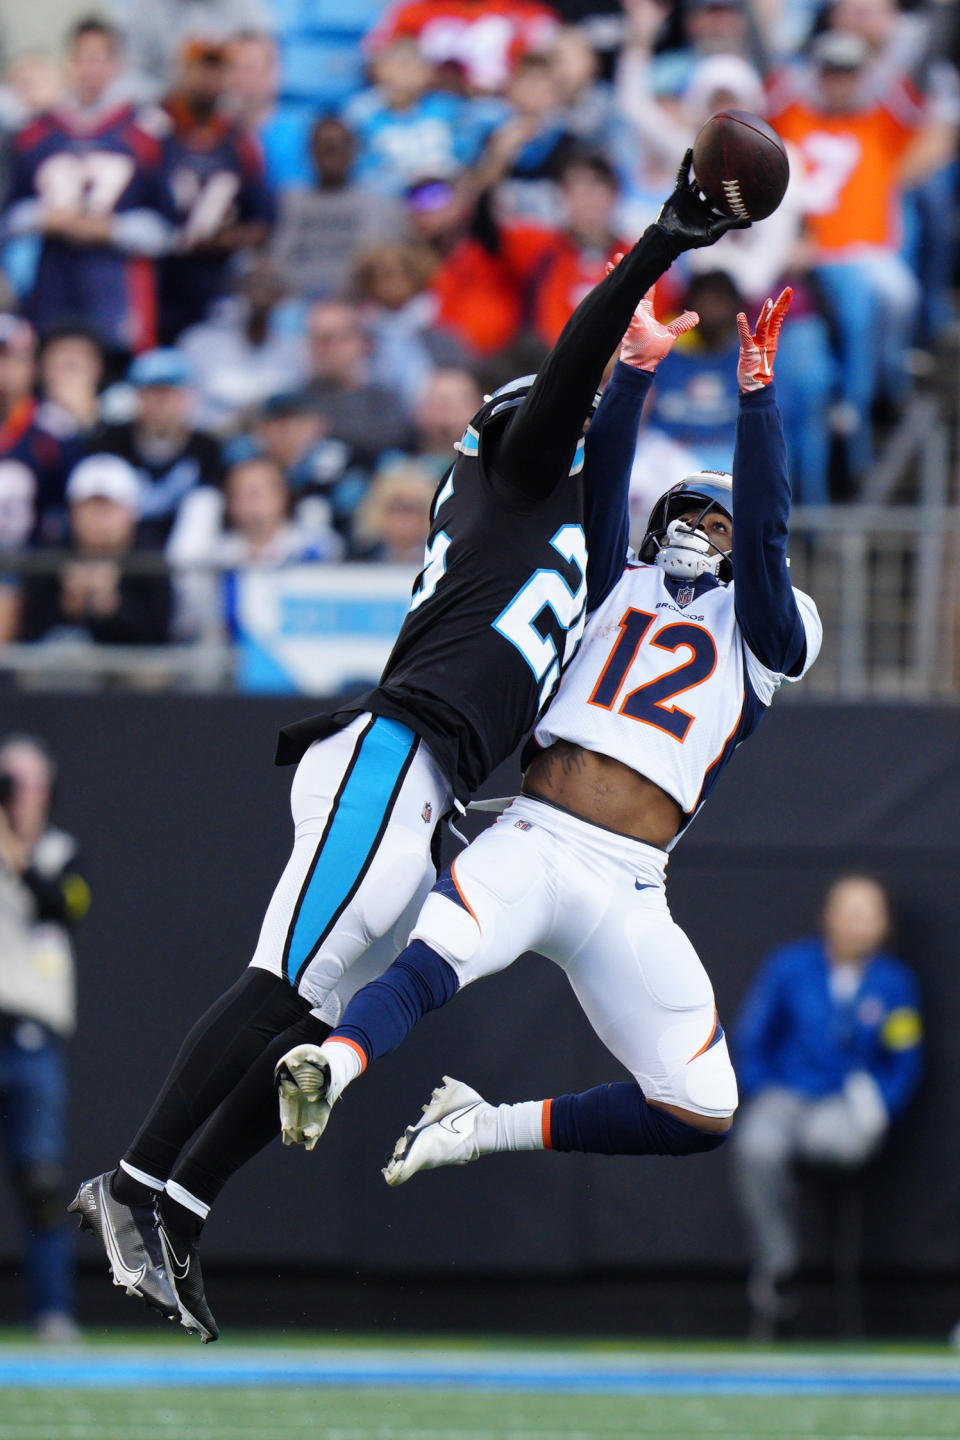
<point>616,1120</point>
<point>382,1014</point>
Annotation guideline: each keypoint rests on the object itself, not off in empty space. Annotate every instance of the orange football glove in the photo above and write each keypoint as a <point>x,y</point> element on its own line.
<point>647,340</point>
<point>758,351</point>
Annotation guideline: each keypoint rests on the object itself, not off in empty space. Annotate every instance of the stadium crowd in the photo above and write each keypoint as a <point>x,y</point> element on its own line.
<point>260,260</point>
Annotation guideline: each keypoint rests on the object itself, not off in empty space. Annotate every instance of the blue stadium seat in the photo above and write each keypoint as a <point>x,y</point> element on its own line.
<point>322,70</point>
<point>353,17</point>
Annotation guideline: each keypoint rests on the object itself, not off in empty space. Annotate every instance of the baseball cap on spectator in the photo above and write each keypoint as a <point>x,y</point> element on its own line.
<point>285,403</point>
<point>840,50</point>
<point>159,367</point>
<point>727,74</point>
<point>104,477</point>
<point>16,334</point>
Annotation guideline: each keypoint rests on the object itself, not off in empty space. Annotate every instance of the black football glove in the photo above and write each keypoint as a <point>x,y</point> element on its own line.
<point>688,218</point>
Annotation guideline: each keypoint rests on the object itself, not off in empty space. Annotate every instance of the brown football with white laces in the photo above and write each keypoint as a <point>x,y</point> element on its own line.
<point>740,163</point>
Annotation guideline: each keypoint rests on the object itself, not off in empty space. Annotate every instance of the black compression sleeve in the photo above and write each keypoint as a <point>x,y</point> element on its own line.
<point>538,445</point>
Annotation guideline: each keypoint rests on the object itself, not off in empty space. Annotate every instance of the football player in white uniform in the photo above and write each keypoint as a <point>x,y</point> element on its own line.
<point>676,668</point>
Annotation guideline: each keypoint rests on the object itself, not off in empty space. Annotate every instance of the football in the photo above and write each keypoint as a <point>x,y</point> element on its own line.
<point>740,164</point>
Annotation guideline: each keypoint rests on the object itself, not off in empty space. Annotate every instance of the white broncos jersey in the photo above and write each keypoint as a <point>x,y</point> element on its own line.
<point>669,689</point>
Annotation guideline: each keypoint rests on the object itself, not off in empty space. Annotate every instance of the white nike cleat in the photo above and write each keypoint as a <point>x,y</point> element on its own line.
<point>446,1134</point>
<point>303,1085</point>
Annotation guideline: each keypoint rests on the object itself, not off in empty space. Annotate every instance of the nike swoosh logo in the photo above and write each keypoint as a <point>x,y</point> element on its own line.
<point>178,1268</point>
<point>120,1269</point>
<point>449,1122</point>
<point>638,886</point>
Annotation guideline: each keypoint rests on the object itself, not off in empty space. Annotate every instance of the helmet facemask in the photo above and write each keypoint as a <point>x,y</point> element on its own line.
<point>681,547</point>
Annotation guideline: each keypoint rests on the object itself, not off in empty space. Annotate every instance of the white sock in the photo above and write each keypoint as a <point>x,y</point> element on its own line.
<point>150,1181</point>
<point>188,1201</point>
<point>345,1065</point>
<point>510,1127</point>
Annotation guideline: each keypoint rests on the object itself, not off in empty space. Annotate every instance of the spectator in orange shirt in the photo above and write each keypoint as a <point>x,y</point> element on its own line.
<point>855,154</point>
<point>482,270</point>
<point>577,261</point>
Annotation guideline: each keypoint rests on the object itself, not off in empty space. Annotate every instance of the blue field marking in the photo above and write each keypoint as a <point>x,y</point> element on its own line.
<point>574,1373</point>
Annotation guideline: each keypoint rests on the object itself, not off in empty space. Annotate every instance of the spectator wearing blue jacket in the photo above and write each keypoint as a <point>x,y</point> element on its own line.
<point>828,1052</point>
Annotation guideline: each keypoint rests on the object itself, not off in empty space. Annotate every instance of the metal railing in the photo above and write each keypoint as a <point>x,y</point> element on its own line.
<point>884,571</point>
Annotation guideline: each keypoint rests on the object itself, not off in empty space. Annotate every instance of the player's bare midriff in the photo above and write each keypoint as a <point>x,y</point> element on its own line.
<point>604,791</point>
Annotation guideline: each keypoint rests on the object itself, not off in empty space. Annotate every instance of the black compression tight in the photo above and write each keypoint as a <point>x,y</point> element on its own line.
<point>216,1055</point>
<point>247,1120</point>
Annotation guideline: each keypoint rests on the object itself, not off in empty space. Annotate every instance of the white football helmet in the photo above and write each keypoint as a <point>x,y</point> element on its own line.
<point>682,550</point>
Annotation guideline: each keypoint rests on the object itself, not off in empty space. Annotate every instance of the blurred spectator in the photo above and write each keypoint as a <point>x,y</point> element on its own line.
<point>71,370</point>
<point>250,347</point>
<point>216,173</point>
<point>653,136</point>
<point>367,417</point>
<point>695,397</point>
<point>91,596</point>
<point>319,229</point>
<point>88,179</point>
<point>405,129</point>
<point>42,897</point>
<point>252,99</point>
<point>759,258</point>
<point>400,317</point>
<point>291,431</point>
<point>250,522</point>
<point>447,403</point>
<point>478,297</point>
<point>525,156</point>
<point>156,29</point>
<point>30,87</point>
<point>38,445</point>
<point>712,27</point>
<point>483,38</point>
<point>760,261</point>
<point>855,156</point>
<point>393,522</point>
<point>166,454</point>
<point>578,259</point>
<point>828,1050</point>
<point>586,102</point>
<point>913,46</point>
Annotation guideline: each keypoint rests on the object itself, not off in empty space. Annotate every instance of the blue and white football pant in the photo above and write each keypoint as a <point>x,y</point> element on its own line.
<point>365,804</point>
<point>593,902</point>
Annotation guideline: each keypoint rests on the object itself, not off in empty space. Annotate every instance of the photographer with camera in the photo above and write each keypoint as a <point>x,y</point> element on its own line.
<point>42,896</point>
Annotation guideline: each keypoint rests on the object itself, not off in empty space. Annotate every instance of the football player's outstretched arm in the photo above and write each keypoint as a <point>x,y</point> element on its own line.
<point>538,445</point>
<point>612,442</point>
<point>766,607</point>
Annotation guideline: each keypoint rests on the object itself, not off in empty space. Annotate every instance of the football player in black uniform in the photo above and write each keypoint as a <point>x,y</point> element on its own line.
<point>497,610</point>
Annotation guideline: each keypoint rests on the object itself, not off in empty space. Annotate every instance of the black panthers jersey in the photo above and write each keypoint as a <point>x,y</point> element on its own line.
<point>500,605</point>
<point>497,610</point>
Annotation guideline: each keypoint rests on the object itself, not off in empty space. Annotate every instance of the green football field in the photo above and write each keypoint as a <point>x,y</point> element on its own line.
<point>315,1388</point>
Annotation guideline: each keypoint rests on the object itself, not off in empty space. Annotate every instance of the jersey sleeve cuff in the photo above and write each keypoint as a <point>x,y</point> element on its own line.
<point>630,377</point>
<point>763,399</point>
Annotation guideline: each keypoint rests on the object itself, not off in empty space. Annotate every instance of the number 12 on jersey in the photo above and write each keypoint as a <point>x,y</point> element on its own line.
<point>648,702</point>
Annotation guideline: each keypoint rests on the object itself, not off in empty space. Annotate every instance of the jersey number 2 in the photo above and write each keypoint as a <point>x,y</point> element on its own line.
<point>648,702</point>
